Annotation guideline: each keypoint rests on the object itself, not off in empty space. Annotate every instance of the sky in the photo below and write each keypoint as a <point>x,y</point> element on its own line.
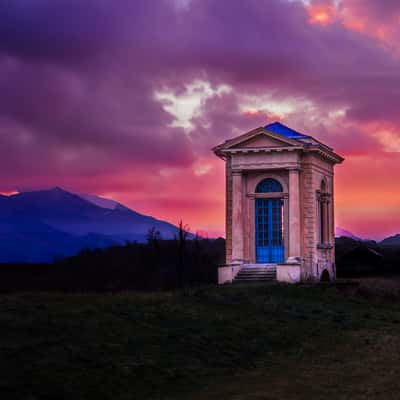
<point>125,99</point>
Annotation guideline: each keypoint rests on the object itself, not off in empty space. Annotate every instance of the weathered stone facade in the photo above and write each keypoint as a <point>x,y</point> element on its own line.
<point>304,169</point>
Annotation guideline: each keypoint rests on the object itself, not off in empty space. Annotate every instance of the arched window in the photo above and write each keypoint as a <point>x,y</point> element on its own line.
<point>323,201</point>
<point>269,185</point>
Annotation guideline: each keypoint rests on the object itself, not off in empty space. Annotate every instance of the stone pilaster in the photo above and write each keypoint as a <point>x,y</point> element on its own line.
<point>294,215</point>
<point>237,217</point>
<point>327,221</point>
<point>228,211</point>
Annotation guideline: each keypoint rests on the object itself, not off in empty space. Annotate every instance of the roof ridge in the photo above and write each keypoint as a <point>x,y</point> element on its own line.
<point>283,130</point>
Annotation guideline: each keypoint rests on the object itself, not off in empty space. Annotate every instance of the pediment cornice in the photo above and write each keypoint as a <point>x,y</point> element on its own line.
<point>258,132</point>
<point>242,145</point>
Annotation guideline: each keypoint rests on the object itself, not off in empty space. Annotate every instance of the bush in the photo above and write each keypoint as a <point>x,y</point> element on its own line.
<point>138,266</point>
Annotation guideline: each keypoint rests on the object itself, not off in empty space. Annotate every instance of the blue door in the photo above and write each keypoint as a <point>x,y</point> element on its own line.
<point>269,237</point>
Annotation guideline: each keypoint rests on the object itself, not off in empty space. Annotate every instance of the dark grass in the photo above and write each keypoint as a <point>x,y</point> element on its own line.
<point>234,342</point>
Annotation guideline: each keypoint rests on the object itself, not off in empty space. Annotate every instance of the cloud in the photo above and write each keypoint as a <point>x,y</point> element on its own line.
<point>390,140</point>
<point>186,106</point>
<point>376,18</point>
<point>130,96</point>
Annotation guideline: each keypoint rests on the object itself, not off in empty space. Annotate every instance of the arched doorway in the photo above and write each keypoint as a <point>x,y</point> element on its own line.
<point>325,277</point>
<point>269,222</point>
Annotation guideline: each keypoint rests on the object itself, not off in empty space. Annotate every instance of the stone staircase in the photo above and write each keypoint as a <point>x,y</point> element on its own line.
<point>256,273</point>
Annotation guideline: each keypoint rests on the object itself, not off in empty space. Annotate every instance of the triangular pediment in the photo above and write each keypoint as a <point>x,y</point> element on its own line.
<point>259,137</point>
<point>276,136</point>
<point>262,140</point>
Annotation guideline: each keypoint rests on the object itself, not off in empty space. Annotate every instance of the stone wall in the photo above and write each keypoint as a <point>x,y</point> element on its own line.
<point>308,222</point>
<point>316,258</point>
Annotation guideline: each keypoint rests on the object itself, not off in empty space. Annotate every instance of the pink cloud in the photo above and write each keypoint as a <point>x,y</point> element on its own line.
<point>78,106</point>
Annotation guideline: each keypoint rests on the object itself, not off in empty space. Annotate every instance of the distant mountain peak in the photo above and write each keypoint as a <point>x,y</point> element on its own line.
<point>53,190</point>
<point>340,232</point>
<point>101,201</point>
<point>37,225</point>
<point>392,240</point>
<point>57,189</point>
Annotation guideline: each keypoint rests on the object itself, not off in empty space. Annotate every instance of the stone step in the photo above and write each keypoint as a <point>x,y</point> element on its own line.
<point>255,279</point>
<point>257,269</point>
<point>251,266</point>
<point>270,278</point>
<point>256,273</point>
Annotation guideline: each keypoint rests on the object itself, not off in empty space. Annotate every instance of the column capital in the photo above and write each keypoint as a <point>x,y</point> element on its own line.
<point>237,172</point>
<point>324,197</point>
<point>293,169</point>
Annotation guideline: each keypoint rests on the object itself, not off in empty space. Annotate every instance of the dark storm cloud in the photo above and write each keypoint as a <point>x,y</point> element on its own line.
<point>56,30</point>
<point>72,95</point>
<point>77,78</point>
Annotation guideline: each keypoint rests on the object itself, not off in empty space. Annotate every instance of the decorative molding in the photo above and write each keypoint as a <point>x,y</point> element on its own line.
<point>262,166</point>
<point>324,197</point>
<point>318,168</point>
<point>261,150</point>
<point>324,246</point>
<point>275,195</point>
<point>329,155</point>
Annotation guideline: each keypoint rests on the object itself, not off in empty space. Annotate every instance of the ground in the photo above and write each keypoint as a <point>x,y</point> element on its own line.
<point>260,341</point>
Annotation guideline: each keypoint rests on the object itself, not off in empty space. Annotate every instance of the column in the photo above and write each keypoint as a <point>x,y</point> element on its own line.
<point>237,217</point>
<point>294,214</point>
<point>332,214</point>
<point>286,224</point>
<point>327,226</point>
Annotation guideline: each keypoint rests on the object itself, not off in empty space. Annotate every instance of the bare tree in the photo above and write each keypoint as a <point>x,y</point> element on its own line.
<point>181,239</point>
<point>154,254</point>
<point>153,237</point>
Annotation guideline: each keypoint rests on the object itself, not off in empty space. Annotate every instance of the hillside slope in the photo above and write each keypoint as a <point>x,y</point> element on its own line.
<point>210,343</point>
<point>40,225</point>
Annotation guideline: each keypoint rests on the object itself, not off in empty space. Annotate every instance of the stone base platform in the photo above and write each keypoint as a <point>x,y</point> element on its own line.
<point>286,272</point>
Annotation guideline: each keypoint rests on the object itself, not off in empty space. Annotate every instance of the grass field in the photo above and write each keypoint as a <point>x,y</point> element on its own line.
<point>233,342</point>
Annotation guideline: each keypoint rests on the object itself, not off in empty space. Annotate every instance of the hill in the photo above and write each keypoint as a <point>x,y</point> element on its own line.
<point>40,225</point>
<point>340,232</point>
<point>355,258</point>
<point>232,342</point>
<point>391,241</point>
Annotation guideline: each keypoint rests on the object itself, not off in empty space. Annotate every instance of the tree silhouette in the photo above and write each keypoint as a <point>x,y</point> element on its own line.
<point>181,239</point>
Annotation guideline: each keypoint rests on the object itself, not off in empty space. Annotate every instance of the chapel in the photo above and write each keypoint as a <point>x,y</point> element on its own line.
<point>279,206</point>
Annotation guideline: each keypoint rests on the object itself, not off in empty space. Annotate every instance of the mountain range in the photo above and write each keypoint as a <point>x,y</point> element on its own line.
<point>39,226</point>
<point>389,241</point>
<point>340,232</point>
<point>43,225</point>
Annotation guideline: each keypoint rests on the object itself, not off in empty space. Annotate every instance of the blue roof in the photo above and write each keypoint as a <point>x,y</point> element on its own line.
<point>285,131</point>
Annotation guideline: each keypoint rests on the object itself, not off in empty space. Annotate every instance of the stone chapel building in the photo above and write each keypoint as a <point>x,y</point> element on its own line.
<point>279,206</point>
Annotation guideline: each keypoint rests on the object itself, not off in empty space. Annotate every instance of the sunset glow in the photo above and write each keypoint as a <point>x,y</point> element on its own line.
<point>127,111</point>
<point>321,14</point>
<point>7,193</point>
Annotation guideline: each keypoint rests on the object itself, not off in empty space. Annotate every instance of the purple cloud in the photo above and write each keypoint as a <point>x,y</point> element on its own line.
<point>78,84</point>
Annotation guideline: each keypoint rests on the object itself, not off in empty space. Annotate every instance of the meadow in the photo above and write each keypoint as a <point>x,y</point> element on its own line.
<point>256,341</point>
